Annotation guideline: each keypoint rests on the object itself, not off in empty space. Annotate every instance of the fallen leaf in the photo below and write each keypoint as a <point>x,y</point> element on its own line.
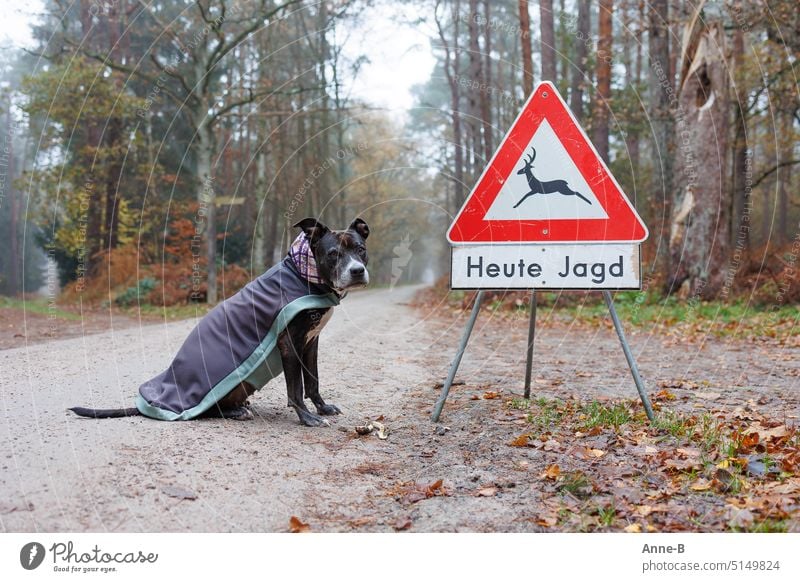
<point>409,493</point>
<point>664,395</point>
<point>707,395</point>
<point>403,523</point>
<point>633,528</point>
<point>178,493</point>
<point>490,395</point>
<point>547,520</point>
<point>777,433</point>
<point>701,485</point>
<point>738,517</point>
<point>552,445</point>
<point>750,440</point>
<point>521,441</point>
<point>297,526</point>
<point>487,492</point>
<point>645,510</point>
<point>723,480</point>
<point>552,472</point>
<point>361,521</point>
<point>593,453</point>
<point>742,414</point>
<point>682,464</point>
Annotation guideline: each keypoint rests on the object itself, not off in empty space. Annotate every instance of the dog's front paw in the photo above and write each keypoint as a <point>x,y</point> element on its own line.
<point>328,410</point>
<point>309,419</point>
<point>239,413</point>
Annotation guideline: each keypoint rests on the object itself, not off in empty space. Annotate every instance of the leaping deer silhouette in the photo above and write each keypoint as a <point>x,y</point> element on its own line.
<point>538,187</point>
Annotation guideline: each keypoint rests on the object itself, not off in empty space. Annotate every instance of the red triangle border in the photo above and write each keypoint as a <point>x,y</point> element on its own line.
<point>623,223</point>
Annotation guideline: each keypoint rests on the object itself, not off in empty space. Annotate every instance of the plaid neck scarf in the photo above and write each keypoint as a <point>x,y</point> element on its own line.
<point>303,259</point>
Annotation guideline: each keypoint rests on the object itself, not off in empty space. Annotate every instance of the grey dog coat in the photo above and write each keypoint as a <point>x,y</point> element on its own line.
<point>235,342</point>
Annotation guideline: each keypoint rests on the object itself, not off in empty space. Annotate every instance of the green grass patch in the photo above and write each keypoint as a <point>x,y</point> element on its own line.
<point>519,403</point>
<point>766,526</point>
<point>576,483</point>
<point>596,414</point>
<point>544,414</point>
<point>173,312</point>
<point>643,309</point>
<point>606,515</point>
<point>39,306</point>
<point>676,425</point>
<point>649,309</point>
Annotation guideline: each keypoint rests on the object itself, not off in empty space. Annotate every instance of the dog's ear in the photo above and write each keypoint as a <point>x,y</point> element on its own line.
<point>360,227</point>
<point>314,229</point>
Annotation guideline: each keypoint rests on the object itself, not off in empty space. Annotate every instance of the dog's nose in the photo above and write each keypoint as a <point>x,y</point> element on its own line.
<point>357,271</point>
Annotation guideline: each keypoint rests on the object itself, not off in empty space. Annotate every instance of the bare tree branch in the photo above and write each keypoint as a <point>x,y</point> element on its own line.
<point>171,72</point>
<point>772,170</point>
<point>223,49</point>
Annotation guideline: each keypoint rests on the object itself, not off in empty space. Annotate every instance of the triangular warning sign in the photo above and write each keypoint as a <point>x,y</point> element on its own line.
<point>546,184</point>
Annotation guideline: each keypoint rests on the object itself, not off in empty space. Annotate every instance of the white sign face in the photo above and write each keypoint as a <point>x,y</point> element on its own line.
<point>553,169</point>
<point>579,266</point>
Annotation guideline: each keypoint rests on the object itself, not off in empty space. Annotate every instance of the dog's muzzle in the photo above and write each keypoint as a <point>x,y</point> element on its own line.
<point>355,274</point>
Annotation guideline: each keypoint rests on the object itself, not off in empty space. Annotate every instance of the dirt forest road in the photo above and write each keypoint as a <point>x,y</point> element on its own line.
<point>379,359</point>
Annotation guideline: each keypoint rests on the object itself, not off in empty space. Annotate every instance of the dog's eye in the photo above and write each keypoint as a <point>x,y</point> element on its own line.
<point>333,253</point>
<point>361,251</point>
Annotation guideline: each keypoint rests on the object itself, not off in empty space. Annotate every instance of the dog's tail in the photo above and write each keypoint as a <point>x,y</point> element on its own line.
<point>105,413</point>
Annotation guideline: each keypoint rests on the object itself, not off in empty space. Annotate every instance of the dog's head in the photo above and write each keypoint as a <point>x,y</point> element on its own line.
<point>341,255</point>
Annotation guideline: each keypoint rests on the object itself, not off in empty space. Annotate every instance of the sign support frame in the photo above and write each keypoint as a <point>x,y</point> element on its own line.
<point>531,337</point>
<point>629,357</point>
<point>462,346</point>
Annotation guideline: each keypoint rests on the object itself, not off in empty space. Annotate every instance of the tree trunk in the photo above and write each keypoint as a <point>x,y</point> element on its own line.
<point>581,57</point>
<point>475,96</point>
<point>784,177</point>
<point>14,259</point>
<point>486,96</point>
<point>113,135</point>
<point>740,225</point>
<point>207,201</point>
<point>259,258</point>
<point>93,243</point>
<point>634,141</point>
<point>525,40</point>
<point>700,219</point>
<point>113,140</point>
<point>564,41</point>
<point>452,72</point>
<point>629,80</point>
<point>660,92</point>
<point>603,95</point>
<point>548,40</point>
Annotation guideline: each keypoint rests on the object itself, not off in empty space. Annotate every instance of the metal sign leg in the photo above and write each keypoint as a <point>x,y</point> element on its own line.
<point>437,409</point>
<point>531,336</point>
<point>629,356</point>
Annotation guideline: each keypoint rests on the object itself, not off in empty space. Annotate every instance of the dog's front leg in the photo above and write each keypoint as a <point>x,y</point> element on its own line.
<point>291,343</point>
<point>311,379</point>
